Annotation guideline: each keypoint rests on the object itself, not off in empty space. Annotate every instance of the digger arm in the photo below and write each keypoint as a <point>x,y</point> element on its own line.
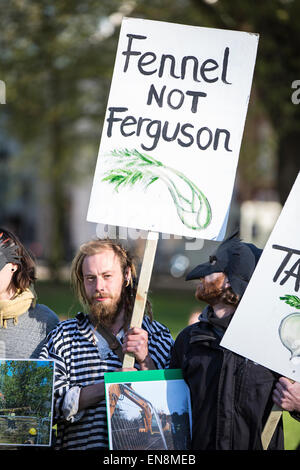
<point>115,390</point>
<point>114,395</point>
<point>142,403</point>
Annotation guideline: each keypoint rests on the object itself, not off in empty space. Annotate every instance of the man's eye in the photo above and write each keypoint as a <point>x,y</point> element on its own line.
<point>212,260</point>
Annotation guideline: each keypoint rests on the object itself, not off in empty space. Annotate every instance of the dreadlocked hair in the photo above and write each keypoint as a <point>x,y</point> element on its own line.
<point>24,276</point>
<point>94,247</point>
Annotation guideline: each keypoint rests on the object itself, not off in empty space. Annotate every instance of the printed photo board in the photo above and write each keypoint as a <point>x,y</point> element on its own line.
<point>148,410</point>
<point>266,324</point>
<point>173,128</point>
<point>26,400</point>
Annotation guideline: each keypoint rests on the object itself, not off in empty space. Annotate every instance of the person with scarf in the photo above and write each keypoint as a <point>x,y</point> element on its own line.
<point>24,324</point>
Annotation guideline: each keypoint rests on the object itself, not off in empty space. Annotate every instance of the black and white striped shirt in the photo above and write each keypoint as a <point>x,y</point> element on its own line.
<point>78,363</point>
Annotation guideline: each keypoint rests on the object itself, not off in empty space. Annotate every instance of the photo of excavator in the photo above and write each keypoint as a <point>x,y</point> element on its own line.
<point>152,430</point>
<point>118,390</point>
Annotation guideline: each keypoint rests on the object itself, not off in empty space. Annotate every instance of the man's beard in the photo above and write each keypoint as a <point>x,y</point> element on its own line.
<point>216,292</point>
<point>104,315</point>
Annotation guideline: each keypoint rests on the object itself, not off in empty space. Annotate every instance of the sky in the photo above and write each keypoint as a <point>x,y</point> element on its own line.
<point>168,396</point>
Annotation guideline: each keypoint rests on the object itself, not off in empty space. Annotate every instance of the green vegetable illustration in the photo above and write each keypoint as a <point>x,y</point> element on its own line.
<point>131,167</point>
<point>289,329</point>
<point>291,300</point>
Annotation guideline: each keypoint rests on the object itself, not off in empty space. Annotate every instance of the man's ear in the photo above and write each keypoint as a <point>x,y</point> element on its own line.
<point>128,276</point>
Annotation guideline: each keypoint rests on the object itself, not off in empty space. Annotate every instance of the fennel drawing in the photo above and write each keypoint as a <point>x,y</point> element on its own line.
<point>131,167</point>
<point>289,329</point>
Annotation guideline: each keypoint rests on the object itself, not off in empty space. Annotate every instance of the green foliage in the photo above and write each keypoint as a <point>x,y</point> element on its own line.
<point>59,297</point>
<point>136,168</point>
<point>291,432</point>
<point>48,49</point>
<point>269,153</point>
<point>57,67</point>
<point>27,385</point>
<point>131,167</point>
<point>277,67</point>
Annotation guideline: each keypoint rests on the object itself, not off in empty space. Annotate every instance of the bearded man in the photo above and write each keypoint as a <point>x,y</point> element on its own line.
<point>84,348</point>
<point>231,395</point>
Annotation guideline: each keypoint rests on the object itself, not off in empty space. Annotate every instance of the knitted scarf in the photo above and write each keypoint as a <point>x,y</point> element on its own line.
<point>13,308</point>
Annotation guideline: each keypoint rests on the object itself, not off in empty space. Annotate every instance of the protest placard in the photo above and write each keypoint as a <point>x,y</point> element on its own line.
<point>26,402</point>
<point>173,128</point>
<point>266,325</point>
<point>149,410</point>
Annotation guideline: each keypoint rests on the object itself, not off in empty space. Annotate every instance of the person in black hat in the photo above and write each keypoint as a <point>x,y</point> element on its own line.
<point>24,323</point>
<point>231,395</point>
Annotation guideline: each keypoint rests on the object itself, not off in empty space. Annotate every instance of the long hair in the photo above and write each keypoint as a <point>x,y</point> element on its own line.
<point>24,276</point>
<point>94,247</point>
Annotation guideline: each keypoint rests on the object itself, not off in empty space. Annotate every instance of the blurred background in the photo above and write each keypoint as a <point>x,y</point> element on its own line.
<point>56,64</point>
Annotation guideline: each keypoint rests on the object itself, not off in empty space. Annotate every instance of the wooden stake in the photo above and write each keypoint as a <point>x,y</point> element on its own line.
<point>142,290</point>
<point>270,426</point>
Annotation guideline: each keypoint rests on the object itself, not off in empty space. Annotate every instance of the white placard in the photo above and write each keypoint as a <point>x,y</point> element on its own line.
<point>266,324</point>
<point>173,128</point>
<point>149,410</point>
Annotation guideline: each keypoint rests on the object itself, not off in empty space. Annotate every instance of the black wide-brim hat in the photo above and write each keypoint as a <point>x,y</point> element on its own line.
<point>8,251</point>
<point>234,258</point>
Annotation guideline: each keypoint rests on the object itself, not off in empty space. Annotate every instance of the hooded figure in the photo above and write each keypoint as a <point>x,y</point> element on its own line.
<point>231,396</point>
<point>235,259</point>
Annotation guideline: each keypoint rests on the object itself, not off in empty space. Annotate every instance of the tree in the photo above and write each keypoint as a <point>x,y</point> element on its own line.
<point>57,71</point>
<point>27,384</point>
<point>57,64</point>
<point>277,67</point>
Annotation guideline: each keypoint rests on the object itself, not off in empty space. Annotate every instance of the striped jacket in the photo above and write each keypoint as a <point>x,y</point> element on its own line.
<point>78,363</point>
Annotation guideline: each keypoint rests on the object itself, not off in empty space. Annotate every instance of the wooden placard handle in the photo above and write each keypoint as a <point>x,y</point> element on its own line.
<point>270,426</point>
<point>142,290</point>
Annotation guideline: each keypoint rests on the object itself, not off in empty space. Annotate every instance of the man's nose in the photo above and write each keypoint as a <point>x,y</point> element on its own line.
<point>99,284</point>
